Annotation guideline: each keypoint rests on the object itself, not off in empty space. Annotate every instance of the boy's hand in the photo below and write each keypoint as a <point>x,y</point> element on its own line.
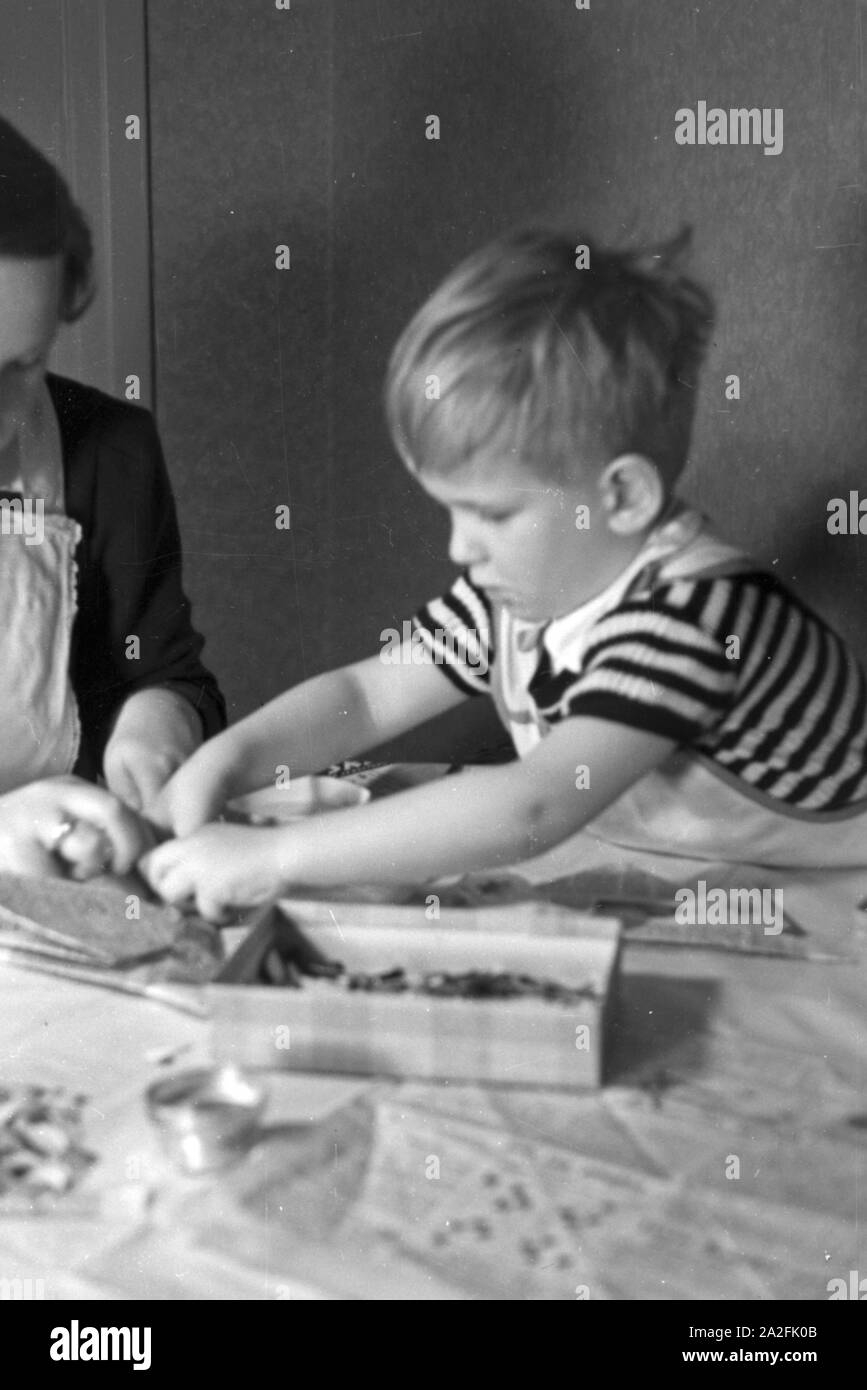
<point>217,868</point>
<point>196,793</point>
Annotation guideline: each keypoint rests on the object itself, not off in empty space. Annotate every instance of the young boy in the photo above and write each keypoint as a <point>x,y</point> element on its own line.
<point>660,687</point>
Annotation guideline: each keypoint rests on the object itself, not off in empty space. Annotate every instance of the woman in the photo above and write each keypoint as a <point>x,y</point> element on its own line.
<point>99,662</point>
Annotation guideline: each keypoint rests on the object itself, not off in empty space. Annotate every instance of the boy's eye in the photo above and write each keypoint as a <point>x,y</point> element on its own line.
<point>495,516</point>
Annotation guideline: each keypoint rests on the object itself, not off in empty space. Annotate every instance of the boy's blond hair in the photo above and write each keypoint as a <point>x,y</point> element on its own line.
<point>561,367</point>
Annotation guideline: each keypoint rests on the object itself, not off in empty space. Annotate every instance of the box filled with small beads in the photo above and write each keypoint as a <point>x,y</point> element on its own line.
<point>520,995</point>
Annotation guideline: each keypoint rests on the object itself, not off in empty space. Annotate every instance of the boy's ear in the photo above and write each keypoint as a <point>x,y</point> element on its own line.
<point>633,494</point>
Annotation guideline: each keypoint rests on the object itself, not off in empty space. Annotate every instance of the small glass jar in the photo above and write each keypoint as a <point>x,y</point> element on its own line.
<point>207,1117</point>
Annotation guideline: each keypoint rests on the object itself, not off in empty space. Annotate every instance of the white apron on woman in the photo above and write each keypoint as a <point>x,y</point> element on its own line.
<point>39,724</point>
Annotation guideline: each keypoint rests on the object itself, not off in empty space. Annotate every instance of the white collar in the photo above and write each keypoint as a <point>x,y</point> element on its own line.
<point>679,527</point>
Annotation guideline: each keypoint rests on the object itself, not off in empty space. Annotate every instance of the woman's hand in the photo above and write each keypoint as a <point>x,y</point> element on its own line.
<point>156,731</point>
<point>218,868</point>
<point>63,825</point>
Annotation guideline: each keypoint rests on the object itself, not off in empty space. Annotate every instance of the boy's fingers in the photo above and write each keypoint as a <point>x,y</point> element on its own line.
<point>148,870</point>
<point>192,800</point>
<point>175,885</point>
<point>158,869</point>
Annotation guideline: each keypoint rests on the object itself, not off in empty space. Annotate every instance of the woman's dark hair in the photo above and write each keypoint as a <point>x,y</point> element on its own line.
<point>38,217</point>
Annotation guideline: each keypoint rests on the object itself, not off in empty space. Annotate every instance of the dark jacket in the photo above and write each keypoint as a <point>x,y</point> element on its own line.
<point>129,568</point>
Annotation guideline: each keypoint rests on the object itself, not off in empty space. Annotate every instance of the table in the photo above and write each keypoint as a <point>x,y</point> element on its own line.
<point>725,1159</point>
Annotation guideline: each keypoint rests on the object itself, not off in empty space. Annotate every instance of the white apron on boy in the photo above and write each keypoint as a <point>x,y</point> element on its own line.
<point>687,807</point>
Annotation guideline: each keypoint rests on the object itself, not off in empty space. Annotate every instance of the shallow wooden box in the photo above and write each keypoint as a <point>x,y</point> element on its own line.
<point>324,1027</point>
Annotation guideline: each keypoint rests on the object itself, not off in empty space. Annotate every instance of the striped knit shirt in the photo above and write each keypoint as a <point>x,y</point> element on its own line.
<point>734,666</point>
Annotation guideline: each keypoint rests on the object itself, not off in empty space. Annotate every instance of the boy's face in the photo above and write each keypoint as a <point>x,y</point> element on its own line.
<point>29,318</point>
<point>516,534</point>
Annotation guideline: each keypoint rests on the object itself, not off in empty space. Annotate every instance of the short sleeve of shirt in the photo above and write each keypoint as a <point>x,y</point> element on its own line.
<point>457,632</point>
<point>650,664</point>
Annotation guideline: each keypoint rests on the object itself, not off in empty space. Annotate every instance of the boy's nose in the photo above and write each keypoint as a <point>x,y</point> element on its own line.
<point>465,547</point>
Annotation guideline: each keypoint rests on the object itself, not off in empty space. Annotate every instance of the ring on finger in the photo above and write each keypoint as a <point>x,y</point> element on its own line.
<point>59,834</point>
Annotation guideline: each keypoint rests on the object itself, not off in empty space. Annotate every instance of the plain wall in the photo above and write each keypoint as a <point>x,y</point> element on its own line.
<point>307,127</point>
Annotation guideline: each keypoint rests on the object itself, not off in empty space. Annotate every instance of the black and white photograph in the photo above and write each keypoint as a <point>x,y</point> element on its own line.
<point>433,663</point>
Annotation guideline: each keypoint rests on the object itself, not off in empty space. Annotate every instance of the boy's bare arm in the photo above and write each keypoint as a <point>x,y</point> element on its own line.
<point>485,818</point>
<point>327,718</point>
